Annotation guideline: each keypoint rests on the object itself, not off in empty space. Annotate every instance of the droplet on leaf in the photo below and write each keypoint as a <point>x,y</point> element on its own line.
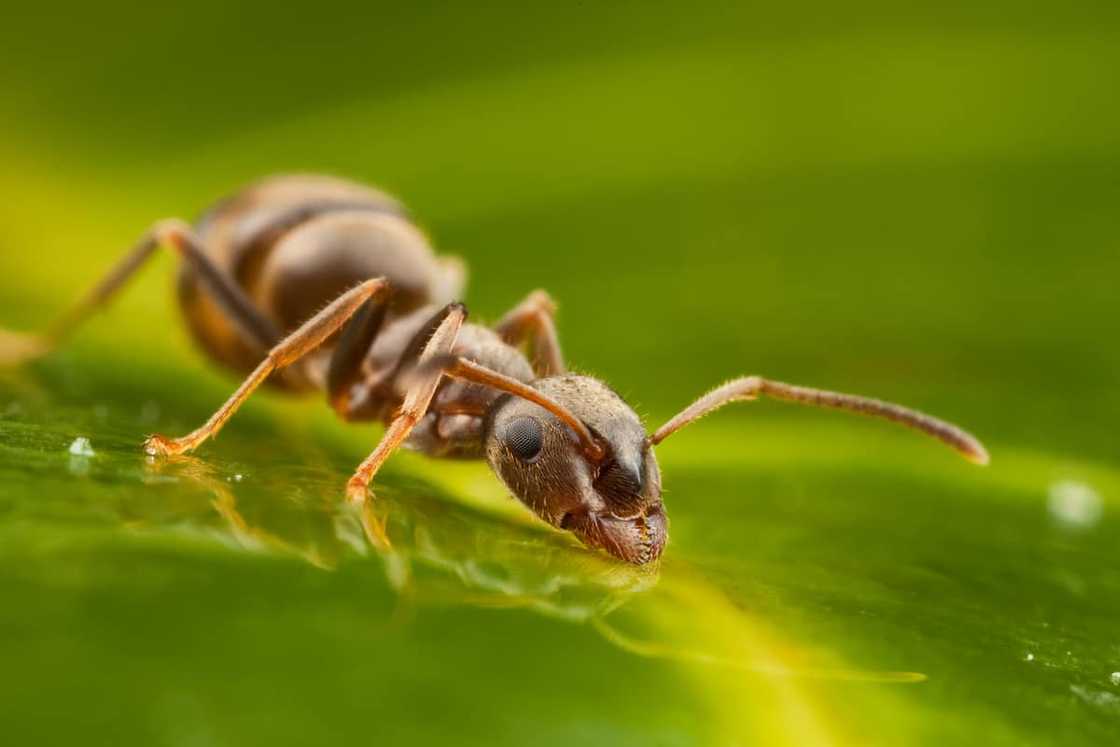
<point>81,447</point>
<point>1075,504</point>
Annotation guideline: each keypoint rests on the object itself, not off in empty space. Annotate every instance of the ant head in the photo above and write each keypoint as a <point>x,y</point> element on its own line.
<point>571,450</point>
<point>610,495</point>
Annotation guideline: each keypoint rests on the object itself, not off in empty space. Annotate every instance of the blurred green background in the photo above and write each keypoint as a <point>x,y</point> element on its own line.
<point>912,201</point>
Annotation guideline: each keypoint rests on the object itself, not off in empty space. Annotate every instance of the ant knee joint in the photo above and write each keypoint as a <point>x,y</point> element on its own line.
<point>542,301</point>
<point>172,231</point>
<point>377,286</point>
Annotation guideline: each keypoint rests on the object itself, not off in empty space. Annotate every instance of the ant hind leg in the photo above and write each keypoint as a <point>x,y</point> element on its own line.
<point>18,348</point>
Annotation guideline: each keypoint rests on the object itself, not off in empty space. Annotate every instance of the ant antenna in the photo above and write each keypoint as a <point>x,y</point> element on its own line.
<point>750,387</point>
<point>460,368</point>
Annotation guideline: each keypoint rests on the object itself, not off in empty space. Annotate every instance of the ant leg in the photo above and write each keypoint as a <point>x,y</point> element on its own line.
<point>345,367</point>
<point>416,400</point>
<point>305,339</point>
<point>15,348</point>
<point>532,320</point>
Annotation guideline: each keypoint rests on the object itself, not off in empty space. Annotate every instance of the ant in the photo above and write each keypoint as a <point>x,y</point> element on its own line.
<point>316,283</point>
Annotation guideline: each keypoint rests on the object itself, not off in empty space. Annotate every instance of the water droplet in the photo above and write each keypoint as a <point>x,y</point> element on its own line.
<point>1029,657</point>
<point>80,453</point>
<point>1075,504</point>
<point>1114,678</point>
<point>81,447</point>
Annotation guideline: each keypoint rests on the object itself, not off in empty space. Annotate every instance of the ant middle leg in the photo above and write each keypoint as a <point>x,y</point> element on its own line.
<point>305,339</point>
<point>439,343</point>
<point>250,321</point>
<point>532,321</point>
<point>345,368</point>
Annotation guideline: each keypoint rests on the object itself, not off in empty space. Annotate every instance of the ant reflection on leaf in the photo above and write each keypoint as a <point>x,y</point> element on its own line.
<point>437,552</point>
<point>433,550</point>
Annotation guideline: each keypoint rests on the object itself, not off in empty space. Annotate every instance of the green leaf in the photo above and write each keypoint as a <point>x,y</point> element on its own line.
<point>913,204</point>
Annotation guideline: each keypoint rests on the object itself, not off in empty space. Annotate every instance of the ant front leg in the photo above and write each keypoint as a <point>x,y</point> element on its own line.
<point>293,347</point>
<point>532,320</point>
<point>254,325</point>
<point>420,392</point>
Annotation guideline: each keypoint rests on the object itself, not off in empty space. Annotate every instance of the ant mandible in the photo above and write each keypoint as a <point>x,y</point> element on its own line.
<point>316,283</point>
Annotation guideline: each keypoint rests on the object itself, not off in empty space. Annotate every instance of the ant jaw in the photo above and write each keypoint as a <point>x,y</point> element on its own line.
<point>638,540</point>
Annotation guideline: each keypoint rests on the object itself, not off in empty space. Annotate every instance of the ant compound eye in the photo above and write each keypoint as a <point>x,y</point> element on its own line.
<point>524,438</point>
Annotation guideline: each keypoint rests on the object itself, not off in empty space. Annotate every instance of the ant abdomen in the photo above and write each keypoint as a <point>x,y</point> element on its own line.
<point>294,244</point>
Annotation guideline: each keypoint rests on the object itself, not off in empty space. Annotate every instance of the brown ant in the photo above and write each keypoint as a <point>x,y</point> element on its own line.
<point>310,282</point>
